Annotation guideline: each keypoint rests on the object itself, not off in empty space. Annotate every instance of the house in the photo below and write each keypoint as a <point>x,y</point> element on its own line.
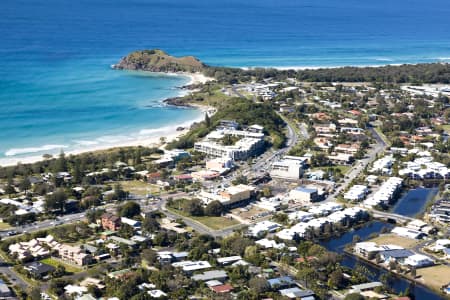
<point>123,241</point>
<point>262,227</point>
<point>418,261</point>
<point>110,222</point>
<point>86,297</point>
<point>75,290</point>
<point>397,255</point>
<point>228,260</point>
<point>156,293</point>
<point>222,289</point>
<point>120,274</point>
<point>267,244</point>
<point>133,223</point>
<point>297,293</point>
<point>191,266</point>
<point>365,287</point>
<point>211,275</point>
<point>407,232</point>
<point>281,282</point>
<point>367,249</point>
<point>38,269</point>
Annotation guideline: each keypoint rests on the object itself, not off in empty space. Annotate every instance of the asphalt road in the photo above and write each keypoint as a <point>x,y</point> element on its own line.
<point>359,166</point>
<point>7,270</point>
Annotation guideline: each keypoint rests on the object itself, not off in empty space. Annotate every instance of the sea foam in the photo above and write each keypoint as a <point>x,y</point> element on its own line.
<point>17,151</point>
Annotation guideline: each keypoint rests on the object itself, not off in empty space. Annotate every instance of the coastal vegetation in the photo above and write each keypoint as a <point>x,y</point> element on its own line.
<point>159,61</point>
<point>408,73</point>
<point>243,111</point>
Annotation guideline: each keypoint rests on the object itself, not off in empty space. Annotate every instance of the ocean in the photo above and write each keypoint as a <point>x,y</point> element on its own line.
<point>58,92</point>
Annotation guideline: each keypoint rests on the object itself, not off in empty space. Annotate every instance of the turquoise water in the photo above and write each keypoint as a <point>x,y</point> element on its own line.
<point>57,90</point>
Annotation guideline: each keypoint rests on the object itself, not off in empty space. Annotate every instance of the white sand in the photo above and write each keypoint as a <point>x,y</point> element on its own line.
<point>196,78</point>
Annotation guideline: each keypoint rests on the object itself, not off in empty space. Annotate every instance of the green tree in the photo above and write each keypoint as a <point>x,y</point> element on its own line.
<point>259,285</point>
<point>34,293</point>
<point>25,184</point>
<point>129,209</point>
<point>9,189</point>
<point>56,201</point>
<point>193,207</point>
<point>150,224</point>
<point>354,296</point>
<point>214,208</point>
<point>336,279</point>
<point>119,193</point>
<point>207,120</point>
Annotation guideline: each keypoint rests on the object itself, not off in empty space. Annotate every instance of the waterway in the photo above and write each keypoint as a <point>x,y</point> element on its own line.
<point>398,285</point>
<point>414,201</point>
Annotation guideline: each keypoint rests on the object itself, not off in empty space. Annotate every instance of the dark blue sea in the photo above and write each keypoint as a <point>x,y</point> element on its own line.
<point>57,90</point>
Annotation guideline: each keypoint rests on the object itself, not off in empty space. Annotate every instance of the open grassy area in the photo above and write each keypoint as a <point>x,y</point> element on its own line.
<point>395,240</point>
<point>138,187</point>
<point>53,262</point>
<point>435,276</point>
<point>215,223</point>
<point>4,226</point>
<point>446,128</point>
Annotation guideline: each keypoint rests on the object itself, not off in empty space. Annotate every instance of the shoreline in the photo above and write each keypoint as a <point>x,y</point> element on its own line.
<point>170,132</point>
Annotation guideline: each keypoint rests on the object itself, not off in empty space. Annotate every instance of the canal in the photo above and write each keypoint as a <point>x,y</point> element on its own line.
<point>414,201</point>
<point>398,284</point>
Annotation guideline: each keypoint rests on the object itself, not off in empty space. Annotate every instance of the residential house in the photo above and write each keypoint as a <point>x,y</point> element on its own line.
<point>110,222</point>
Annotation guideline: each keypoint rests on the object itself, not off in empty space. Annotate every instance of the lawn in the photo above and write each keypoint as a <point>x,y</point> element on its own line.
<point>215,223</point>
<point>395,240</point>
<point>4,226</point>
<point>138,187</point>
<point>446,128</point>
<point>53,262</point>
<point>435,276</point>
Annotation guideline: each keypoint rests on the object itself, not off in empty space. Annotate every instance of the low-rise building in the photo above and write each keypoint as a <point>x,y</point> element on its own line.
<point>110,222</point>
<point>289,167</point>
<point>262,227</point>
<point>303,194</point>
<point>211,275</point>
<point>408,232</point>
<point>418,261</point>
<point>38,270</point>
<point>230,196</point>
<point>191,266</point>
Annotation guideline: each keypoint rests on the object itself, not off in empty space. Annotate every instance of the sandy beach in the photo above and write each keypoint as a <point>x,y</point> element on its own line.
<point>146,138</point>
<point>196,78</point>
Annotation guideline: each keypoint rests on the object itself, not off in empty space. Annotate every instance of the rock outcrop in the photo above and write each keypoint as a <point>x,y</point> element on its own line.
<point>159,61</point>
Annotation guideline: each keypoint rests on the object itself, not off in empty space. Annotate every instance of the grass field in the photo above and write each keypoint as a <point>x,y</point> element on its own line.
<point>395,240</point>
<point>4,226</point>
<point>446,128</point>
<point>435,276</point>
<point>215,223</point>
<point>53,262</point>
<point>138,187</point>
